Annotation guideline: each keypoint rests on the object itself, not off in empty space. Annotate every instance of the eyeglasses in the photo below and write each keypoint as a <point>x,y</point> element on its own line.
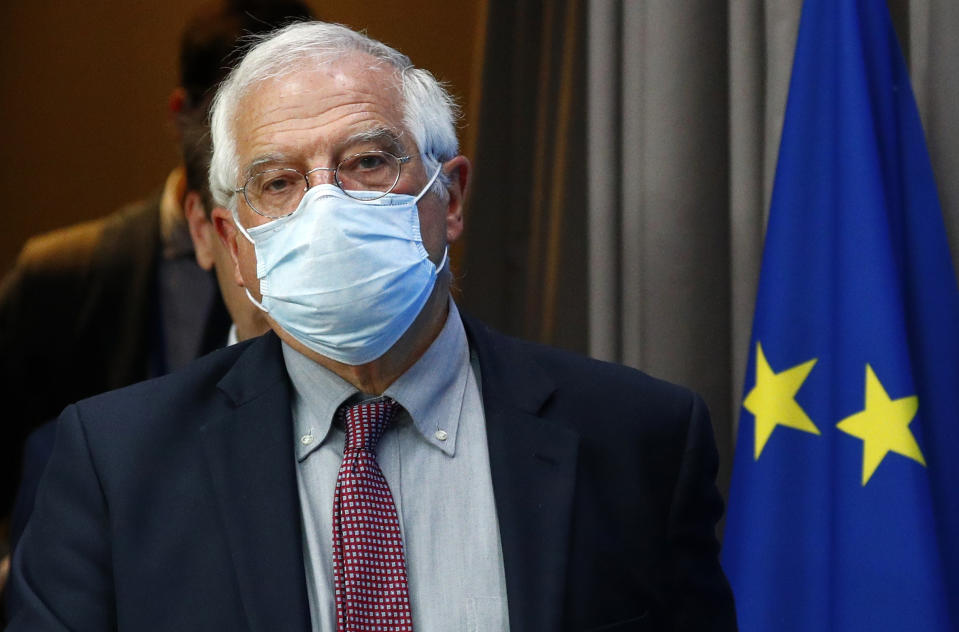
<point>365,176</point>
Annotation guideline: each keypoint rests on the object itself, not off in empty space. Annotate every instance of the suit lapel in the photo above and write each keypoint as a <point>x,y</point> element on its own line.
<point>533,467</point>
<point>250,456</point>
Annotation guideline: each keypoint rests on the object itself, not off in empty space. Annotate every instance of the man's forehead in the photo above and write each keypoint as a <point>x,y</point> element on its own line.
<point>349,100</point>
<point>354,73</point>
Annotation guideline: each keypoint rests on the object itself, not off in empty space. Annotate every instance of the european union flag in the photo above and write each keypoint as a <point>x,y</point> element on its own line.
<point>844,507</point>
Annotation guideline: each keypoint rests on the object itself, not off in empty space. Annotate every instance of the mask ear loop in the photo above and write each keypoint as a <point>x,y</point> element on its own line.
<point>239,227</point>
<point>429,184</point>
<point>255,302</point>
<point>442,263</point>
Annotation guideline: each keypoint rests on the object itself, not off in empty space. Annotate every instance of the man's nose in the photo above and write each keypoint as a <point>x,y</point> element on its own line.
<point>321,175</point>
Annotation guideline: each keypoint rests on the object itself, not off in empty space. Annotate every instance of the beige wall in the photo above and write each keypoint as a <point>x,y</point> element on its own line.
<point>84,88</point>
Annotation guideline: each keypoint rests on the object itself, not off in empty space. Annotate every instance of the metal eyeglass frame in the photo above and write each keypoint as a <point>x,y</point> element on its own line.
<point>400,161</point>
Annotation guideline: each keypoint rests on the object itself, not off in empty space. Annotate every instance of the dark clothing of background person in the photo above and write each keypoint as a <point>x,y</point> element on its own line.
<point>79,315</point>
<point>36,452</point>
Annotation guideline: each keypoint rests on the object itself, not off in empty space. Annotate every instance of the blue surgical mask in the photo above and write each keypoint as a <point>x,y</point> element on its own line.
<point>345,277</point>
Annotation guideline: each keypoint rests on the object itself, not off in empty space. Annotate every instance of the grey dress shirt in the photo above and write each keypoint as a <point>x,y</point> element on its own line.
<point>435,459</point>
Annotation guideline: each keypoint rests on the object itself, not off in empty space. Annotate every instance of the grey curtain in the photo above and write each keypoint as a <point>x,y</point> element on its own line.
<point>523,265</point>
<point>658,194</point>
<point>624,165</point>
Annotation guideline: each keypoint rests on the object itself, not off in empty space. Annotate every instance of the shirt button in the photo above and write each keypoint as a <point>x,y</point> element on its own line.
<point>306,439</point>
<point>441,435</point>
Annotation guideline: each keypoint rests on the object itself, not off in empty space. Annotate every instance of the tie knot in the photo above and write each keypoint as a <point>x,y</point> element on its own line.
<point>365,422</point>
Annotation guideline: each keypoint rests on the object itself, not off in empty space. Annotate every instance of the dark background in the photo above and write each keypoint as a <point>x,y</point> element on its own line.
<point>85,87</point>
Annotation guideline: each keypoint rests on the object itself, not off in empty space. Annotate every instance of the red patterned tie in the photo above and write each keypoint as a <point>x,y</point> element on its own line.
<point>369,569</point>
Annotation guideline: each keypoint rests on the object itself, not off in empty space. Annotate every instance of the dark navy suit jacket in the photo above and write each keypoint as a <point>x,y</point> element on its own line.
<point>172,504</point>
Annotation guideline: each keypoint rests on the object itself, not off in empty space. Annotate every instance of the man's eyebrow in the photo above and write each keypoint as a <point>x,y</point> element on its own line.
<point>265,159</point>
<point>382,136</point>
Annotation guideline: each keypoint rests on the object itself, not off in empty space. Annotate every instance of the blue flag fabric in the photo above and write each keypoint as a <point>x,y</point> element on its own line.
<point>844,506</point>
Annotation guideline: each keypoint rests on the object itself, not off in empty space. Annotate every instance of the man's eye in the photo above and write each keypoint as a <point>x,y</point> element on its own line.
<point>275,184</point>
<point>368,162</point>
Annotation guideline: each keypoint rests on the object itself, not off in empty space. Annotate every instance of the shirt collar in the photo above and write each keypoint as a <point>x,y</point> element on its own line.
<point>318,390</point>
<point>431,390</point>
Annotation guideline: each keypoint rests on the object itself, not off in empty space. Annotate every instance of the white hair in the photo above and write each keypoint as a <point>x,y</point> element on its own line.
<point>429,111</point>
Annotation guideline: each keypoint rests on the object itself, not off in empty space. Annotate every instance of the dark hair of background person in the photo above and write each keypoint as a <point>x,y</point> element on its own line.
<point>211,44</point>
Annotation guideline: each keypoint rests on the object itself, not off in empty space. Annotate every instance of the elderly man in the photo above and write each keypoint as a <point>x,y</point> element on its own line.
<point>378,461</point>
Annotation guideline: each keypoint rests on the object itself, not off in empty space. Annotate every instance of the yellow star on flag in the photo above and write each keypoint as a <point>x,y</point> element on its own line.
<point>772,401</point>
<point>883,426</point>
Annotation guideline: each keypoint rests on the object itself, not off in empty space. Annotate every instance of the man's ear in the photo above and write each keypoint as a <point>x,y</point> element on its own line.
<point>458,171</point>
<point>201,230</point>
<point>227,233</point>
<point>175,106</point>
<point>177,100</point>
